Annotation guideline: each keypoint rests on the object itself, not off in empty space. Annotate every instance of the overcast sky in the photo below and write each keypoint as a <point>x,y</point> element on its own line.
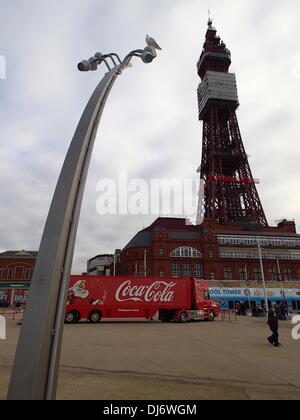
<point>150,126</point>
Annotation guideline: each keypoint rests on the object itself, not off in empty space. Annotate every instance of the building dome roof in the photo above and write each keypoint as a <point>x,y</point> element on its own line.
<point>174,227</point>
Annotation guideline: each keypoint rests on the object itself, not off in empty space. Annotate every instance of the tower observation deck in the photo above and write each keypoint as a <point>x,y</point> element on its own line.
<point>230,195</point>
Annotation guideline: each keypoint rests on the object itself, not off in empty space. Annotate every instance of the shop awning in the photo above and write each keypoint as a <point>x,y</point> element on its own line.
<point>14,286</point>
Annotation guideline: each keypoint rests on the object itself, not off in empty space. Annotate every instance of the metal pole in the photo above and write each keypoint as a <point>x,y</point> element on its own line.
<point>248,285</point>
<point>34,374</point>
<point>263,275</point>
<point>280,280</point>
<point>145,263</point>
<point>279,271</point>
<point>35,371</point>
<point>279,274</point>
<point>114,264</point>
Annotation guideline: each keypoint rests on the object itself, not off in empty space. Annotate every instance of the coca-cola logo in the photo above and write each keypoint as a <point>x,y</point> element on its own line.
<point>159,291</point>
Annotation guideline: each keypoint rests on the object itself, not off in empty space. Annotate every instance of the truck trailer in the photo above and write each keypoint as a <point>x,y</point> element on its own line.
<point>93,298</point>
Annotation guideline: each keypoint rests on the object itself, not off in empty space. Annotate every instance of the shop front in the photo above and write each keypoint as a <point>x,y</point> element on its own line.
<point>11,293</point>
<point>254,297</point>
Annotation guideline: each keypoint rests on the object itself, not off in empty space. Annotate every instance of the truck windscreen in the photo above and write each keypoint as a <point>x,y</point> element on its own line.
<point>206,295</point>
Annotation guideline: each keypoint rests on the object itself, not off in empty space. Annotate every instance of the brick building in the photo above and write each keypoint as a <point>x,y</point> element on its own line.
<point>16,269</point>
<point>170,247</point>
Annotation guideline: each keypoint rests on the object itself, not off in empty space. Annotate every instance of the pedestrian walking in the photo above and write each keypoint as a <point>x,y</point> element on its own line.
<point>243,309</point>
<point>283,311</point>
<point>273,325</point>
<point>277,310</point>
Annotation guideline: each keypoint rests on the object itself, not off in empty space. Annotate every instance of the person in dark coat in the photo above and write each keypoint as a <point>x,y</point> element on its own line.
<point>283,311</point>
<point>243,309</point>
<point>273,325</point>
<point>278,310</point>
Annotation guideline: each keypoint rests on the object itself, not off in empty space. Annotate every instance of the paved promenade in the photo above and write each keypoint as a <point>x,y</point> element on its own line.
<point>144,360</point>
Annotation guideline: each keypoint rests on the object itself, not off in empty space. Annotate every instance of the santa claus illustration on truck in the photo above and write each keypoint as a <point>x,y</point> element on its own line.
<point>79,292</point>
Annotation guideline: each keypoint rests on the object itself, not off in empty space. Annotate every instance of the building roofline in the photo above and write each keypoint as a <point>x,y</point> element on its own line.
<point>19,254</point>
<point>100,255</point>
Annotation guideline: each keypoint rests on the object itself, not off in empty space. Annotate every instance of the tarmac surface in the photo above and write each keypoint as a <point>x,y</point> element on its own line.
<point>134,360</point>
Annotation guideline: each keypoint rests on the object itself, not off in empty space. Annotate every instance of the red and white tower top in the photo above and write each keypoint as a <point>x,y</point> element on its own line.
<point>215,55</point>
<point>230,193</point>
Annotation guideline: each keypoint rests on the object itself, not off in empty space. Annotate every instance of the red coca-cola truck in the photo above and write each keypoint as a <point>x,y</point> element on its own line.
<point>93,298</point>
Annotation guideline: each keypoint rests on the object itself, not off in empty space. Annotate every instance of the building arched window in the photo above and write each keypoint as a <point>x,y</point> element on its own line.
<point>186,252</point>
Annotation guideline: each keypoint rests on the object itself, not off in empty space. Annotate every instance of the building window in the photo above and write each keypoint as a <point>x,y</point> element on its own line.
<point>288,274</point>
<point>265,241</point>
<point>210,253</point>
<point>213,275</point>
<point>198,271</point>
<point>257,274</point>
<point>186,270</point>
<point>19,273</point>
<point>273,274</point>
<point>175,270</point>
<point>288,255</point>
<point>161,273</point>
<point>1,274</point>
<point>243,273</point>
<point>186,252</point>
<point>10,274</point>
<point>161,252</point>
<point>27,274</point>
<point>228,273</point>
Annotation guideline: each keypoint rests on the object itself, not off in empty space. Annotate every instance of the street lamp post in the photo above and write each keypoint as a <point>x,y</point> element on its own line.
<point>262,274</point>
<point>35,370</point>
<point>248,285</point>
<point>145,263</point>
<point>280,279</point>
<point>279,272</point>
<point>114,265</point>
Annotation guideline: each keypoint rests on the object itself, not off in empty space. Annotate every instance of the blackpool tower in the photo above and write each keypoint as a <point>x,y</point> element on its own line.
<point>230,194</point>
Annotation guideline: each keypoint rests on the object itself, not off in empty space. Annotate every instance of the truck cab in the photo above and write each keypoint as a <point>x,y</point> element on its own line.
<point>203,300</point>
<point>199,305</point>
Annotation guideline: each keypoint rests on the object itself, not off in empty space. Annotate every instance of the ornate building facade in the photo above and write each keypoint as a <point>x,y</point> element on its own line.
<point>16,269</point>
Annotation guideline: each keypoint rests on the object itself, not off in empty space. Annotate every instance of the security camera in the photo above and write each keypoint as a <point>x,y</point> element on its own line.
<point>93,63</point>
<point>94,66</point>
<point>84,65</point>
<point>148,55</point>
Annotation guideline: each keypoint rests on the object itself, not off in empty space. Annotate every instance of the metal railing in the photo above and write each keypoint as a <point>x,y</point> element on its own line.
<point>15,313</point>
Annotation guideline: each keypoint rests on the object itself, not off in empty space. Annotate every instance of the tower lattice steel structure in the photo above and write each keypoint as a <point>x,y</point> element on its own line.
<point>230,194</point>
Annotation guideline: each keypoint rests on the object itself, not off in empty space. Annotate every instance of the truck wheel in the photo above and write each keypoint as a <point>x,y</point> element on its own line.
<point>72,317</point>
<point>183,317</point>
<point>95,317</point>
